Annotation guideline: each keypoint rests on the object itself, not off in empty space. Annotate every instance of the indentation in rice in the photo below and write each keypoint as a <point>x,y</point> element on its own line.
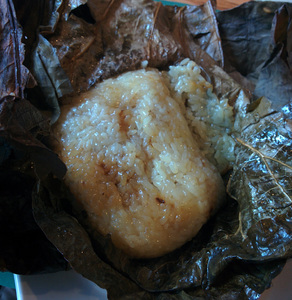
<point>133,161</point>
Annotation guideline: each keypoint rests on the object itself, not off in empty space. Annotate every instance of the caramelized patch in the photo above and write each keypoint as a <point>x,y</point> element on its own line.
<point>159,200</point>
<point>124,125</point>
<point>105,168</point>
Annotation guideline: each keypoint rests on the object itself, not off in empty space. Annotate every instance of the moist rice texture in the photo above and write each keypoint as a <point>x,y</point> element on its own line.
<point>210,119</point>
<point>136,155</point>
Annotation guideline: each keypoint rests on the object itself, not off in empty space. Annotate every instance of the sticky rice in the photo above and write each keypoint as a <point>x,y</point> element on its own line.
<point>141,160</point>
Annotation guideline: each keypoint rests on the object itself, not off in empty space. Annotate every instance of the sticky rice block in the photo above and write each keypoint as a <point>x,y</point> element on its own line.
<point>134,165</point>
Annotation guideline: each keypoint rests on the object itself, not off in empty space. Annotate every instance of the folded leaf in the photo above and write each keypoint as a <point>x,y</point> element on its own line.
<point>152,35</point>
<point>49,75</point>
<point>275,77</point>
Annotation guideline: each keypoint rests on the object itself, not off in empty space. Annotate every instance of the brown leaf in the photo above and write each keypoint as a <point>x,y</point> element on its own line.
<point>21,123</point>
<point>13,74</point>
<point>128,35</point>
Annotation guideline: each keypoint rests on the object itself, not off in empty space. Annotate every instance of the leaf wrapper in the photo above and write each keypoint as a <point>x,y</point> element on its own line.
<point>120,41</point>
<point>23,158</point>
<point>231,257</point>
<point>220,248</point>
<point>261,33</point>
